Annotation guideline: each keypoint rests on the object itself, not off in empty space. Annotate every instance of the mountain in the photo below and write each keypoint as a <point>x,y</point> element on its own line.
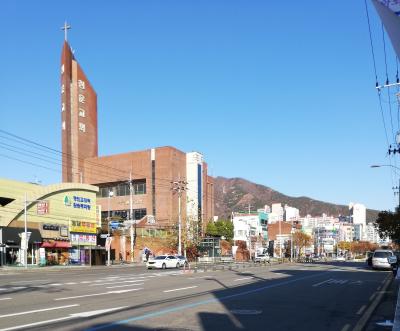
<point>235,194</point>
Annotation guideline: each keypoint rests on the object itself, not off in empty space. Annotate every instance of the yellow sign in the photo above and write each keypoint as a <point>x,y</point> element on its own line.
<point>82,227</point>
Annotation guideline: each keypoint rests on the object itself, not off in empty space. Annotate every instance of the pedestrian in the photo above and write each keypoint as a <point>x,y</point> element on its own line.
<point>121,259</point>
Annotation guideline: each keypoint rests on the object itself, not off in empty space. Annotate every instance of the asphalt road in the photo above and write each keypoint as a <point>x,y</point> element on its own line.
<point>279,297</point>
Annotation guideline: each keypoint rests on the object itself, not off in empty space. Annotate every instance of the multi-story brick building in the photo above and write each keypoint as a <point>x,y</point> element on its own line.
<point>150,171</point>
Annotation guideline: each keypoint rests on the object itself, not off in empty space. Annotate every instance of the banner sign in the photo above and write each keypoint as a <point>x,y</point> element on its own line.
<point>85,227</point>
<point>78,239</point>
<point>42,207</point>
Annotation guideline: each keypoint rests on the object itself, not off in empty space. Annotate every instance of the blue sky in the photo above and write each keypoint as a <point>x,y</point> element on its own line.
<point>280,93</point>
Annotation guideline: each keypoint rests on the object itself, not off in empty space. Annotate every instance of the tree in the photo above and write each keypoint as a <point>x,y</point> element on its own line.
<point>301,240</point>
<point>221,228</point>
<point>211,229</point>
<point>224,229</point>
<point>388,225</point>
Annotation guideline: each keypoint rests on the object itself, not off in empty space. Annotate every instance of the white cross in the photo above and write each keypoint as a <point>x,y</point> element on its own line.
<point>66,27</point>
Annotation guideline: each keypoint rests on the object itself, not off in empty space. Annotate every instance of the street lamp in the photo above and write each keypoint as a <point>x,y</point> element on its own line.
<point>391,166</point>
<point>25,239</point>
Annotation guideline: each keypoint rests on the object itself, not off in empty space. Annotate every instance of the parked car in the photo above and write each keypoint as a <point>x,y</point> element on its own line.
<point>380,259</point>
<point>262,258</point>
<point>340,258</point>
<point>163,262</point>
<point>182,260</point>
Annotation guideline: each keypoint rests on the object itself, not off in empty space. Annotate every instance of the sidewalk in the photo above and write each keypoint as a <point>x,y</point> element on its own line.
<point>30,268</point>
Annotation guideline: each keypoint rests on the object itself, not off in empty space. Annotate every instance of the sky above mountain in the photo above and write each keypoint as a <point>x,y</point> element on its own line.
<point>282,94</point>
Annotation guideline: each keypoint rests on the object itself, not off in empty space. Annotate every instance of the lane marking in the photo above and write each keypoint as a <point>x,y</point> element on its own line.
<point>372,296</point>
<point>239,279</point>
<point>86,282</point>
<point>137,284</point>
<point>161,312</point>
<point>125,281</point>
<point>55,284</point>
<point>36,323</point>
<point>97,294</point>
<point>71,283</point>
<point>360,311</point>
<point>5,299</point>
<point>325,281</point>
<point>71,316</point>
<point>346,327</point>
<point>30,281</point>
<point>37,310</point>
<point>180,289</point>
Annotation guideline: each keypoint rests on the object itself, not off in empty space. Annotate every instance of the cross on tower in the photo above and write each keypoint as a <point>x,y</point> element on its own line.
<point>66,27</point>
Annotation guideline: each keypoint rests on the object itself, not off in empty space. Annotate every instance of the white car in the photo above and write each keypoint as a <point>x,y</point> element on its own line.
<point>380,259</point>
<point>183,262</point>
<point>163,262</point>
<point>262,258</point>
<point>340,258</point>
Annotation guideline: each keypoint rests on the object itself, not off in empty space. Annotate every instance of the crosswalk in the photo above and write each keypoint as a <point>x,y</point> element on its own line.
<point>116,280</point>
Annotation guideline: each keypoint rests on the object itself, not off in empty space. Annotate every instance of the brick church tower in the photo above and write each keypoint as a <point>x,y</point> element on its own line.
<point>78,116</point>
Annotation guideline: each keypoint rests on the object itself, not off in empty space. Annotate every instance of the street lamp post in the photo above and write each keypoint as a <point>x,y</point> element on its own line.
<point>25,238</point>
<point>392,166</point>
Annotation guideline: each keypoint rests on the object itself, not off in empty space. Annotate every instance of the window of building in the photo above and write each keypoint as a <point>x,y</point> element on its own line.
<point>122,188</point>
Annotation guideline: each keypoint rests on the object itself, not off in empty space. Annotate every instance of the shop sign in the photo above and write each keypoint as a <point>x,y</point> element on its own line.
<point>63,231</point>
<point>77,202</point>
<point>51,227</point>
<point>42,207</point>
<point>42,256</point>
<point>83,239</point>
<point>85,227</point>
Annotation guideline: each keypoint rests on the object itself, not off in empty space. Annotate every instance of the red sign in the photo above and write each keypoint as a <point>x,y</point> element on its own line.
<point>42,207</point>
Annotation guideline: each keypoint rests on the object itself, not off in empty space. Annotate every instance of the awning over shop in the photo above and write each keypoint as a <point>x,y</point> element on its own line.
<point>56,244</point>
<point>10,236</point>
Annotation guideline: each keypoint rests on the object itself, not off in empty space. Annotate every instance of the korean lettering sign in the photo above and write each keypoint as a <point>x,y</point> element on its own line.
<point>85,227</point>
<point>78,202</point>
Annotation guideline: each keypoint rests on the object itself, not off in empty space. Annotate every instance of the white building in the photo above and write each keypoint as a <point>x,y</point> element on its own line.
<point>359,216</point>
<point>246,226</point>
<point>277,213</point>
<point>291,214</point>
<point>194,192</point>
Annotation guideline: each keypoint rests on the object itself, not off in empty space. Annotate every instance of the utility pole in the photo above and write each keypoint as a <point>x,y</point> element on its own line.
<point>133,235</point>
<point>396,190</point>
<point>178,187</point>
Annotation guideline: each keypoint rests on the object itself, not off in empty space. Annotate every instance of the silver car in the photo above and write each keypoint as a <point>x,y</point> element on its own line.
<point>380,259</point>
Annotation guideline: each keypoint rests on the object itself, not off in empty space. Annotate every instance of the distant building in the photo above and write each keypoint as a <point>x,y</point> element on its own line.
<point>277,213</point>
<point>151,171</point>
<point>358,214</point>
<point>291,214</point>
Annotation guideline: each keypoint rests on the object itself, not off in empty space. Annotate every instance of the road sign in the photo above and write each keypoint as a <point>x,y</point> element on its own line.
<point>114,224</point>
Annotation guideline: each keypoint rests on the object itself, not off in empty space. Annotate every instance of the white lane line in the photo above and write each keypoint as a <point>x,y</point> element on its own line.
<point>239,279</point>
<point>346,327</point>
<point>36,323</point>
<point>325,281</point>
<point>125,281</point>
<point>71,316</point>
<point>71,283</point>
<point>372,297</point>
<point>55,284</point>
<point>97,294</point>
<point>179,289</point>
<point>360,311</point>
<point>5,299</point>
<point>86,282</point>
<point>37,310</point>
<point>137,284</point>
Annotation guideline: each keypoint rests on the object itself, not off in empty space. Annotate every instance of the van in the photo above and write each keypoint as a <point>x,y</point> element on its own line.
<point>380,259</point>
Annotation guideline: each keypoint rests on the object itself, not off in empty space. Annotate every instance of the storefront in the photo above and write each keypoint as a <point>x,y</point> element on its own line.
<point>62,219</point>
<point>10,253</point>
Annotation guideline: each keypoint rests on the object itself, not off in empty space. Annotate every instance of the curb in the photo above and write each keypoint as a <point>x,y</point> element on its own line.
<point>362,322</point>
